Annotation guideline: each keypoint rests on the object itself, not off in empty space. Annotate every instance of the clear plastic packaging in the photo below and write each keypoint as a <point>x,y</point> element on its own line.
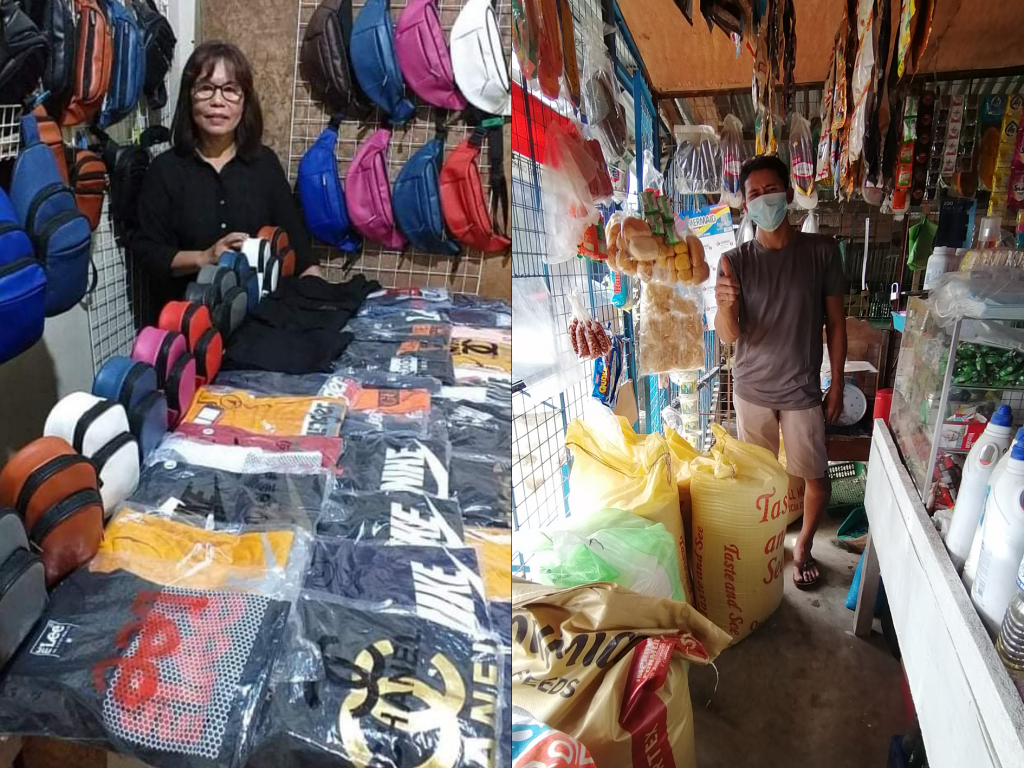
<point>864,68</point>
<point>540,347</point>
<point>392,518</point>
<point>686,381</point>
<point>234,458</point>
<point>587,336</point>
<point>985,293</point>
<point>801,163</point>
<point>732,161</point>
<point>526,36</point>
<point>810,225</point>
<point>384,461</point>
<point>698,160</point>
<point>671,334</point>
<point>746,230</point>
<point>569,205</point>
<point>601,104</point>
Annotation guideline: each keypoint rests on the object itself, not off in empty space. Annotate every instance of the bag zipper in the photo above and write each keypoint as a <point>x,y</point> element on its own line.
<point>42,241</point>
<point>90,47</point>
<point>202,347</point>
<point>86,420</point>
<point>41,197</point>
<point>16,266</point>
<point>138,413</point>
<point>14,567</point>
<point>102,456</point>
<point>42,474</point>
<point>128,385</point>
<point>62,511</point>
<point>186,319</point>
<point>161,356</point>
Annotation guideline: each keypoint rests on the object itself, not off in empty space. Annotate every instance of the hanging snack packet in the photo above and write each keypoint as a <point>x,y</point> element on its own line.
<point>601,104</point>
<point>732,161</point>
<point>801,163</point>
<point>549,71</point>
<point>525,40</point>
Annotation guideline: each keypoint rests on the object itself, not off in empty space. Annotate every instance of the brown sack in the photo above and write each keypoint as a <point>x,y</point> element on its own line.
<point>607,666</point>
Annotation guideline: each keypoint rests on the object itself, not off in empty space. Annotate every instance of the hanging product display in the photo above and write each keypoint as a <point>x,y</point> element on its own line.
<point>22,287</point>
<point>824,162</point>
<point>128,65</point>
<point>670,336</point>
<point>463,200</point>
<point>416,199</point>
<point>732,161</point>
<point>369,192</point>
<point>478,58</point>
<point>993,109</point>
<point>922,30</point>
<point>526,33</point>
<point>801,163</point>
<point>570,72</point>
<point>872,129</point>
<point>549,72</point>
<point>92,66</point>
<point>965,179</point>
<point>698,160</point>
<point>322,195</point>
<point>788,52</point>
<point>159,42</point>
<point>761,90</point>
<point>424,57</point>
<point>588,336</point>
<point>863,74</point>
<point>653,249</point>
<point>324,60</point>
<point>375,61</point>
<point>998,202</point>
<point>605,115</point>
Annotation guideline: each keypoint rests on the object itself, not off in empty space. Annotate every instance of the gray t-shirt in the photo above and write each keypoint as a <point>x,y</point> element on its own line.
<point>782,312</point>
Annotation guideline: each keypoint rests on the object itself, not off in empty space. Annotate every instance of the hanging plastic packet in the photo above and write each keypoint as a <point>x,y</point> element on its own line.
<point>549,71</point>
<point>732,161</point>
<point>569,205</point>
<point>588,337</point>
<point>525,36</point>
<point>862,76</point>
<point>571,74</point>
<point>609,373</point>
<point>801,163</point>
<point>624,294</point>
<point>601,104</point>
<point>922,31</point>
<point>746,230</point>
<point>698,160</point>
<point>824,174</point>
<point>671,330</point>
<point>810,225</point>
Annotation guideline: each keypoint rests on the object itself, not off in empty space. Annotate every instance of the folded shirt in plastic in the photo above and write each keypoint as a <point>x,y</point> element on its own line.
<point>483,487</point>
<point>250,499</point>
<point>170,676</point>
<point>384,461</point>
<point>395,690</point>
<point>438,584</point>
<point>413,358</point>
<point>392,518</point>
<point>405,325</point>
<point>390,300</point>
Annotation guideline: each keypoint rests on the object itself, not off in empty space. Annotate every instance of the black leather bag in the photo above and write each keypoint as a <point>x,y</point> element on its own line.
<point>57,22</point>
<point>324,60</point>
<point>24,51</point>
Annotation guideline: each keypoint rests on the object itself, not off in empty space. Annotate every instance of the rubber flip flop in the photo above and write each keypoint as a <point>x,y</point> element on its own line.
<point>803,568</point>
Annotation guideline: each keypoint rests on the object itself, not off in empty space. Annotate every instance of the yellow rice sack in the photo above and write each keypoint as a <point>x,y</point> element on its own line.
<point>740,508</point>
<point>606,476</point>
<point>797,488</point>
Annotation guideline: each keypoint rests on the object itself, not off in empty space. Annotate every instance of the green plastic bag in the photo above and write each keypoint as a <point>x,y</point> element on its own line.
<point>922,238</point>
<point>611,545</point>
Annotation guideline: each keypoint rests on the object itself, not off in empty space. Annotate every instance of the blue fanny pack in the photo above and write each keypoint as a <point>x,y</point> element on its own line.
<point>22,286</point>
<point>134,384</point>
<point>416,199</point>
<point>375,62</point>
<point>128,70</point>
<point>322,195</point>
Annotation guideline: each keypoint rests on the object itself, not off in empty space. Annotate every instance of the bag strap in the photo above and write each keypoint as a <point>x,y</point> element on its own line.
<point>86,420</point>
<point>491,129</point>
<point>155,134</point>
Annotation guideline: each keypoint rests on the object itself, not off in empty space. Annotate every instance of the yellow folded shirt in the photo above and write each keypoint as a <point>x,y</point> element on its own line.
<point>285,416</point>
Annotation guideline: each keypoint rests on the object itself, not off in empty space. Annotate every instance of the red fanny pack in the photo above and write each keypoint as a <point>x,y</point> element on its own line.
<point>462,193</point>
<point>280,246</point>
<point>193,320</point>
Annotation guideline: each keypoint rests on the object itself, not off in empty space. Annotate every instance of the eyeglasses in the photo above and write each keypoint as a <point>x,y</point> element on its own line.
<point>232,92</point>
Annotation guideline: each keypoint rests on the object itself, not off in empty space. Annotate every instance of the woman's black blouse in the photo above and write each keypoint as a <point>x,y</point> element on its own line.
<point>185,205</point>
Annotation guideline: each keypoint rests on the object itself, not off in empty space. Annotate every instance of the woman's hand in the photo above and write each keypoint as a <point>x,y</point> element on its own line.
<point>230,242</point>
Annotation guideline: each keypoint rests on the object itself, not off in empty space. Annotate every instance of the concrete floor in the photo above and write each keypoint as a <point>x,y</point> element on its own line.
<point>802,690</point>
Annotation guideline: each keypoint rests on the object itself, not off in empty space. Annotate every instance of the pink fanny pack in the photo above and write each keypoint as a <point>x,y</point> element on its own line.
<point>423,56</point>
<point>368,192</point>
<point>167,352</point>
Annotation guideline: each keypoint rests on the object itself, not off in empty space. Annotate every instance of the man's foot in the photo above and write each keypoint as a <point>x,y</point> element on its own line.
<point>805,573</point>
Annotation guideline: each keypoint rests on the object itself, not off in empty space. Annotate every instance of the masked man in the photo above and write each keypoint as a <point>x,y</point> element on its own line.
<point>774,295</point>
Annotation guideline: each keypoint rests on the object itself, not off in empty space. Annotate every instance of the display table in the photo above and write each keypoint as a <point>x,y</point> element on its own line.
<point>969,711</point>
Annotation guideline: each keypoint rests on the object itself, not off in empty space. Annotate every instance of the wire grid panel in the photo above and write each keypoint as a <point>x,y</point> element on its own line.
<point>10,131</point>
<point>394,269</point>
<point>111,323</point>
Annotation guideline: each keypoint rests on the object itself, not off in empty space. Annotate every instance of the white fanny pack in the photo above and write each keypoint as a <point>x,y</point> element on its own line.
<point>478,58</point>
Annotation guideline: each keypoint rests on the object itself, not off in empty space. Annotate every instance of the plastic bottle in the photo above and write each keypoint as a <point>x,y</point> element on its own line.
<point>970,501</point>
<point>971,566</point>
<point>1002,544</point>
<point>938,265</point>
<point>1010,643</point>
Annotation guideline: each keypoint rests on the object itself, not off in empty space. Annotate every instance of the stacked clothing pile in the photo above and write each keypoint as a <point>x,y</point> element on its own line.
<point>314,568</point>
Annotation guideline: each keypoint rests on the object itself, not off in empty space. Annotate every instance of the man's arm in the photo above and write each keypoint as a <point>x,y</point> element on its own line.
<point>727,295</point>
<point>835,333</point>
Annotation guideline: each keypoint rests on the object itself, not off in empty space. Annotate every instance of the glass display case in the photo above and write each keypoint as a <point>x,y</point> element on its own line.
<point>949,381</point>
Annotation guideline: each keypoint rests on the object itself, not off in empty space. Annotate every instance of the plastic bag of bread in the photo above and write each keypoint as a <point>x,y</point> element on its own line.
<point>670,336</point>
<point>587,336</point>
<point>690,261</point>
<point>609,667</point>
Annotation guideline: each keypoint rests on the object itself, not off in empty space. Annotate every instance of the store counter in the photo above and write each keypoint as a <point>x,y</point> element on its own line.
<point>969,711</point>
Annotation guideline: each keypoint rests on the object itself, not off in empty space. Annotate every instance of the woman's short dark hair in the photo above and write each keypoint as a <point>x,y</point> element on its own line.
<point>764,163</point>
<point>200,64</point>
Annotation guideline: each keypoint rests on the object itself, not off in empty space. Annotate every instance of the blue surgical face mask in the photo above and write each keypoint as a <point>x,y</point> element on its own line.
<point>768,211</point>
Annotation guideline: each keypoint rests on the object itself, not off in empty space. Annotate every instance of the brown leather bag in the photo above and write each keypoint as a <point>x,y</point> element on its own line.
<point>50,134</point>
<point>56,492</point>
<point>280,246</point>
<point>94,59</point>
<point>88,180</point>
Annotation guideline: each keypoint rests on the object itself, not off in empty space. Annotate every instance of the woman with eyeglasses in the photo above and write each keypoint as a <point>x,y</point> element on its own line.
<point>217,186</point>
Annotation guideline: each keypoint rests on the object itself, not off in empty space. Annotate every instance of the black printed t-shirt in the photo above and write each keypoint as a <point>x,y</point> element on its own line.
<point>483,487</point>
<point>480,429</point>
<point>392,518</point>
<point>383,461</point>
<point>404,325</point>
<point>250,499</point>
<point>395,691</point>
<point>436,583</point>
<point>412,358</point>
<point>182,672</point>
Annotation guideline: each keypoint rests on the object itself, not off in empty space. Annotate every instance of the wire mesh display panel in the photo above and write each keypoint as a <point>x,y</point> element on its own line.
<point>402,269</point>
<point>111,324</point>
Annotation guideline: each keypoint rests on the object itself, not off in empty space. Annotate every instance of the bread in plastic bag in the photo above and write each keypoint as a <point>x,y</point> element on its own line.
<point>609,667</point>
<point>740,500</point>
<point>732,161</point>
<point>698,160</point>
<point>801,163</point>
<point>670,336</point>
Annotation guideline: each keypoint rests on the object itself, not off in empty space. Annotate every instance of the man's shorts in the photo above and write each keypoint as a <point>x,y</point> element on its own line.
<point>802,431</point>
